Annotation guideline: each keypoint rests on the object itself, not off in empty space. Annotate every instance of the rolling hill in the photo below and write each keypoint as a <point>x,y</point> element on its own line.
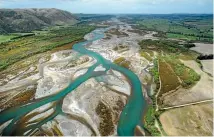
<point>26,20</point>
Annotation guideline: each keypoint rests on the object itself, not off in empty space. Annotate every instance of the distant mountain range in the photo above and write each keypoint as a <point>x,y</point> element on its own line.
<point>26,20</point>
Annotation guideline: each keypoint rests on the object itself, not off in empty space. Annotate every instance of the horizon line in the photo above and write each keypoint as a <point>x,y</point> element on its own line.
<point>142,13</point>
<point>107,13</point>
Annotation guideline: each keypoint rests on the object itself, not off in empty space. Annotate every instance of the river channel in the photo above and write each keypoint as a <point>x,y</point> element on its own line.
<point>131,115</point>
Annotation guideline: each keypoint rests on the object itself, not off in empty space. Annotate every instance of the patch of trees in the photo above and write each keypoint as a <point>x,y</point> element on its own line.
<point>150,117</point>
<point>22,36</point>
<point>119,47</point>
<point>205,57</point>
<point>122,62</point>
<point>189,45</point>
<point>54,39</point>
<point>160,34</point>
<point>194,35</point>
<point>165,45</point>
<point>155,73</point>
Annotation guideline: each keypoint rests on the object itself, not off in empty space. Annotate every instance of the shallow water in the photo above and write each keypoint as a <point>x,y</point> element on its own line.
<point>130,116</point>
<point>133,111</point>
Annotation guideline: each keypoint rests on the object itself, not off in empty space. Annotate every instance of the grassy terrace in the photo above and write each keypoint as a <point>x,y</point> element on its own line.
<point>19,48</point>
<point>5,38</point>
<point>165,46</point>
<point>187,76</point>
<point>169,80</point>
<point>169,70</point>
<point>190,27</point>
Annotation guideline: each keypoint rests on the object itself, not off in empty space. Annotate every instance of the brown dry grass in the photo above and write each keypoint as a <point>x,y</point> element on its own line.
<point>194,120</point>
<point>202,90</point>
<point>19,99</point>
<point>106,126</point>
<point>122,62</point>
<point>169,80</point>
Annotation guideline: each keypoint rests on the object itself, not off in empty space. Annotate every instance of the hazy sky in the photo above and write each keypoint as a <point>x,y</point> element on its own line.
<point>116,6</point>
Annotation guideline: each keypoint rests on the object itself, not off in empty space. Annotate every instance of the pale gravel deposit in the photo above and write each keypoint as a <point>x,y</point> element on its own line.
<point>203,48</point>
<point>208,66</point>
<point>105,48</point>
<point>107,88</point>
<point>57,74</point>
<point>79,106</point>
<point>84,100</point>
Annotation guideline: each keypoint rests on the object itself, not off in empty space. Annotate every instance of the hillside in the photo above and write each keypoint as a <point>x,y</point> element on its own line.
<point>26,20</point>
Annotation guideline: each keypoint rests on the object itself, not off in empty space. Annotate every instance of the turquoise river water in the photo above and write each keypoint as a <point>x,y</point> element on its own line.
<point>130,117</point>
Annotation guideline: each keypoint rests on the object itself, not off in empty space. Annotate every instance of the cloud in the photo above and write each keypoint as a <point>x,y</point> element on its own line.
<point>116,6</point>
<point>119,1</point>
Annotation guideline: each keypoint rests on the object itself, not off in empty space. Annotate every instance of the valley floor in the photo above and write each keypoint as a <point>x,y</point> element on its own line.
<point>95,106</point>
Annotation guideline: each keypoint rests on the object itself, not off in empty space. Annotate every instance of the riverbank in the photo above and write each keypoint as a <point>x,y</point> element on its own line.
<point>61,69</point>
<point>89,95</point>
<point>21,48</point>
